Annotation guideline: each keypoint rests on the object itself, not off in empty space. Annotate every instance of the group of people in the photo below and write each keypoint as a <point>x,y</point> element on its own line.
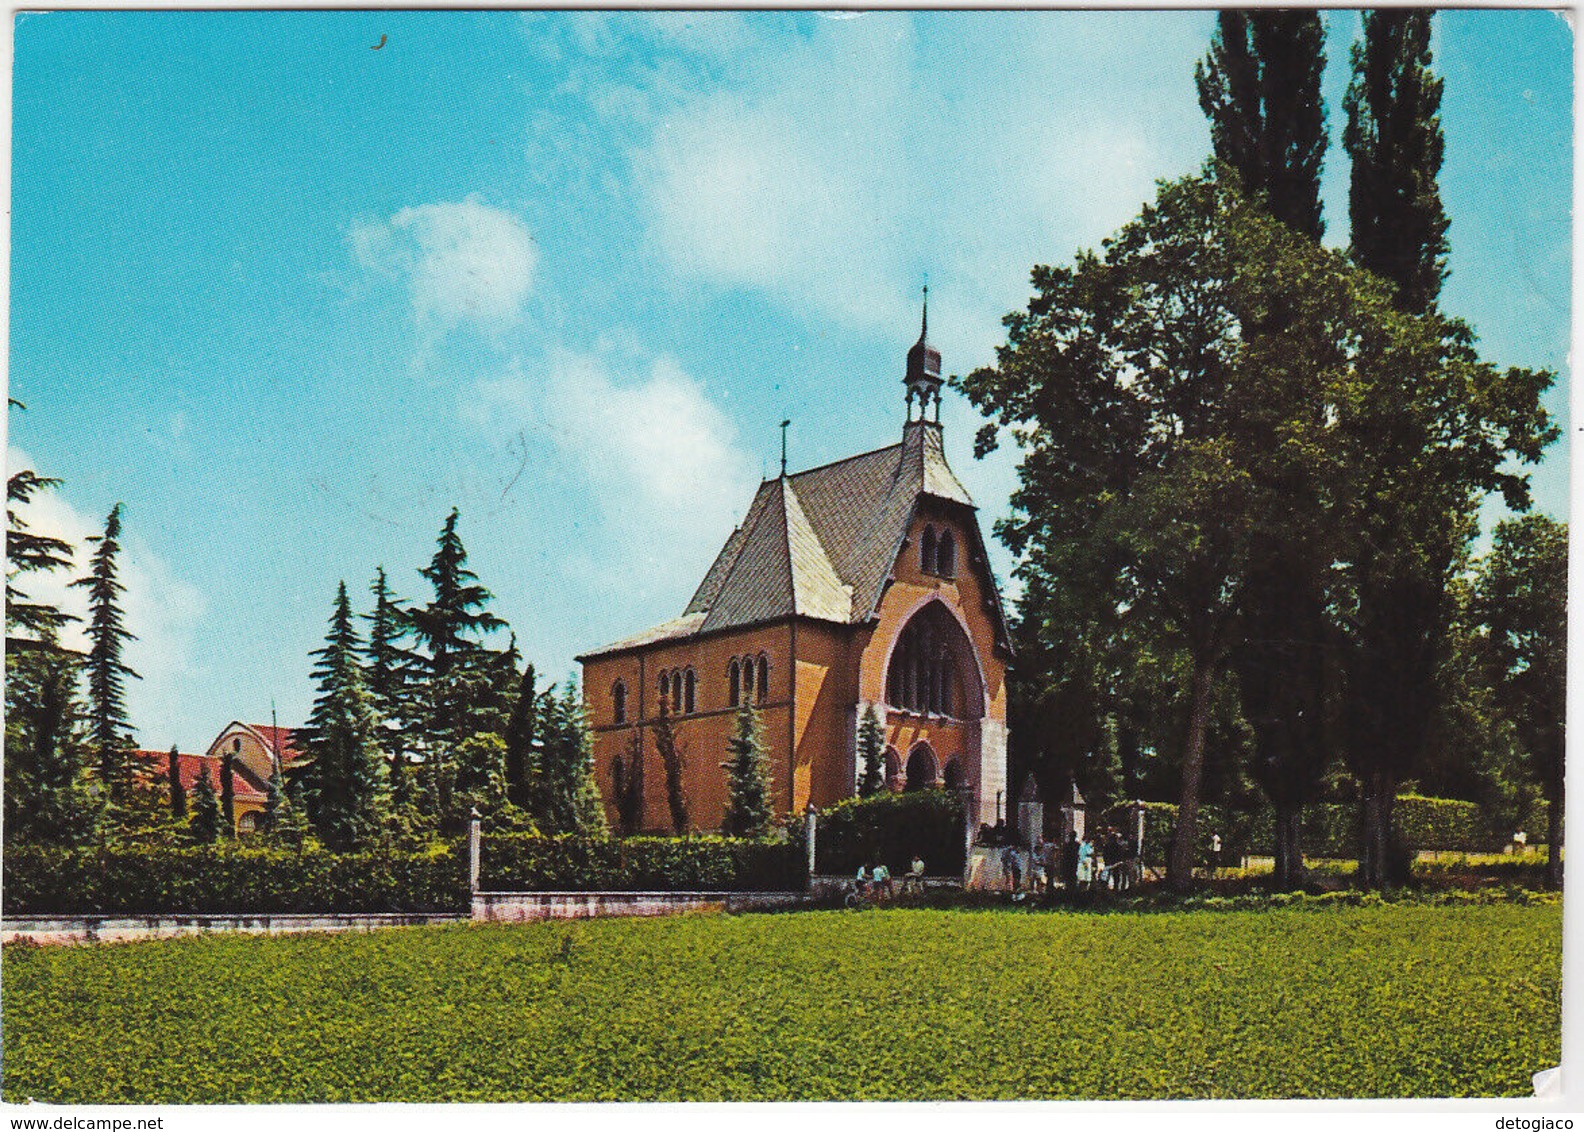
<point>874,883</point>
<point>1079,864</point>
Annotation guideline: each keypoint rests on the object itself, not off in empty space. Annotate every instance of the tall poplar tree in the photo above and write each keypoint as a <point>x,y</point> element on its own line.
<point>1261,89</point>
<point>343,786</point>
<point>109,729</point>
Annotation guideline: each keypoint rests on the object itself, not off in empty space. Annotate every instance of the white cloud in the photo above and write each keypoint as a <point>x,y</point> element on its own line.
<point>843,164</point>
<point>644,444</point>
<point>464,261</point>
<point>160,608</point>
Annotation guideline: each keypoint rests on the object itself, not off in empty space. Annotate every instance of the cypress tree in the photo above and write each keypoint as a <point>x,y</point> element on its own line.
<point>871,750</point>
<point>343,785</point>
<point>567,799</point>
<point>110,731</point>
<point>520,761</point>
<point>446,628</point>
<point>178,792</point>
<point>204,825</point>
<point>748,812</point>
<point>1260,88</point>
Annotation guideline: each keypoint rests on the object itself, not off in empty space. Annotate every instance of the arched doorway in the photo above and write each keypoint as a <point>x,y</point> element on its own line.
<point>952,776</point>
<point>893,769</point>
<point>921,768</point>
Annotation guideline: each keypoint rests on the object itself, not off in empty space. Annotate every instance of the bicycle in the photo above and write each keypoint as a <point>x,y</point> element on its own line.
<point>856,900</point>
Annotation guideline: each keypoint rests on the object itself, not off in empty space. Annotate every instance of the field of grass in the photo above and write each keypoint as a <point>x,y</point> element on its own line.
<point>1394,1000</point>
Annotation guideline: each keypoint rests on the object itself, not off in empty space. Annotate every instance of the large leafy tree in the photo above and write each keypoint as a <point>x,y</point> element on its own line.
<point>1163,420</point>
<point>110,730</point>
<point>1260,88</point>
<point>1521,595</point>
<point>343,787</point>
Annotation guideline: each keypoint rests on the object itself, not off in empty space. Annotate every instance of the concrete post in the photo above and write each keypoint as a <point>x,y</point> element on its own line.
<point>810,830</point>
<point>473,853</point>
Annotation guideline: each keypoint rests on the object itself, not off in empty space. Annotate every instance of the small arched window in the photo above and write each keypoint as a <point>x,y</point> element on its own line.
<point>946,555</point>
<point>927,551</point>
<point>734,683</point>
<point>676,692</point>
<point>689,693</point>
<point>748,679</point>
<point>763,682</point>
<point>665,688</point>
<point>619,701</point>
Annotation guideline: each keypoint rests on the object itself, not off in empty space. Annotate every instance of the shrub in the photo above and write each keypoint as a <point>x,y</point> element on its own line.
<point>526,862</point>
<point>42,880</point>
<point>891,828</point>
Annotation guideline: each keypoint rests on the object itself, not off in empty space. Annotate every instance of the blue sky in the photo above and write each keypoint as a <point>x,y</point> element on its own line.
<point>290,298</point>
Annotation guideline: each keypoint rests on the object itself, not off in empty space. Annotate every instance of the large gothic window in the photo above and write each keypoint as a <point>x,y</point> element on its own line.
<point>932,669</point>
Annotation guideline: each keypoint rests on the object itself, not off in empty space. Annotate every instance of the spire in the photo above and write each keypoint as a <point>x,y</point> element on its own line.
<point>923,378</point>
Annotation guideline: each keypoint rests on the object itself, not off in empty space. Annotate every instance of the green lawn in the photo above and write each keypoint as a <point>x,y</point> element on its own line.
<point>1333,1002</point>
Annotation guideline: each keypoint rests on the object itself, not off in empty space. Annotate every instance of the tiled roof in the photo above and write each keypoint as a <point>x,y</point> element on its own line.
<point>278,739</point>
<point>190,769</point>
<point>820,543</point>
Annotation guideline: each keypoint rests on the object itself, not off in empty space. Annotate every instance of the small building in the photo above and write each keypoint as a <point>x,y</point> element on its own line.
<point>858,584</point>
<point>259,747</point>
<point>249,794</point>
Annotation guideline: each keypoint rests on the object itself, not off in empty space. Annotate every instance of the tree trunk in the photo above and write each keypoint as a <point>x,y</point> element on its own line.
<point>1289,854</point>
<point>1554,832</point>
<point>1375,859</point>
<point>1179,868</point>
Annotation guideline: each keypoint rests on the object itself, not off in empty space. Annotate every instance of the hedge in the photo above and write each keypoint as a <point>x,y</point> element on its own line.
<point>147,881</point>
<point>892,828</point>
<point>516,862</point>
<point>1328,830</point>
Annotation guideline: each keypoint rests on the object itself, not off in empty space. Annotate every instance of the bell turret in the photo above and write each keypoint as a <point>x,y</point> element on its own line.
<point>923,370</point>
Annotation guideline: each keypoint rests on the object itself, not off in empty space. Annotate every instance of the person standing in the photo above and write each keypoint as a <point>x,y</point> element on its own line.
<point>1069,863</point>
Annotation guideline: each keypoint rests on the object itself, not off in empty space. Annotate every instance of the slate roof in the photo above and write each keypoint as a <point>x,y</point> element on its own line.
<point>819,543</point>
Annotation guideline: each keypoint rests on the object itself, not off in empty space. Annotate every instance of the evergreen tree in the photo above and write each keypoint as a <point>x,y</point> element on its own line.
<point>178,792</point>
<point>521,761</point>
<point>447,629</point>
<point>871,752</point>
<point>673,759</point>
<point>568,799</point>
<point>480,780</point>
<point>228,794</point>
<point>1260,88</point>
<point>343,787</point>
<point>204,825</point>
<point>390,673</point>
<point>47,796</point>
<point>1393,135</point>
<point>749,811</point>
<point>110,732</point>
<point>28,552</point>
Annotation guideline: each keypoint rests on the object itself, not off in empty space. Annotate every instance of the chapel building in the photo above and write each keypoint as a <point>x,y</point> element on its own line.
<point>859,583</point>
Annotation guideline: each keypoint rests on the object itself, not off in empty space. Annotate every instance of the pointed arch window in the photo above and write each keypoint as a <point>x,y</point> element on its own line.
<point>619,701</point>
<point>748,679</point>
<point>665,690</point>
<point>676,692</point>
<point>689,692</point>
<point>734,683</point>
<point>762,682</point>
<point>927,551</point>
